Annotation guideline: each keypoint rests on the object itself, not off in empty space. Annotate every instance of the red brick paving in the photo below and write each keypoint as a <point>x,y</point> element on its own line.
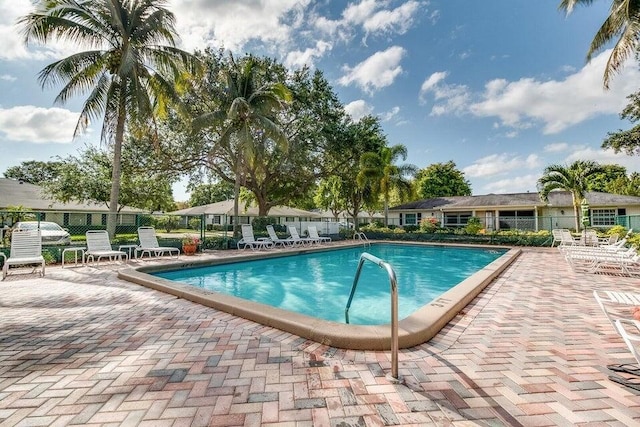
<point>80,347</point>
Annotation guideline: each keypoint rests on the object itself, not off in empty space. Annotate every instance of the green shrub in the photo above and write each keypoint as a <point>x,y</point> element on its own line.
<point>473,225</point>
<point>260,223</point>
<point>194,223</point>
<point>617,229</point>
<point>429,225</point>
<point>410,228</point>
<point>167,222</point>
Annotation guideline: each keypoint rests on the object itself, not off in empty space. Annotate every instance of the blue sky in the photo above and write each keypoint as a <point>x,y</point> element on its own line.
<point>501,87</point>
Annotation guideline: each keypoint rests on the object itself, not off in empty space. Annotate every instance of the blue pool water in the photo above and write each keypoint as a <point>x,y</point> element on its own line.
<point>318,284</point>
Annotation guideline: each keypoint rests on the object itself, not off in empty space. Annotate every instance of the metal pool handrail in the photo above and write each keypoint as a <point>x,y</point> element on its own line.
<point>363,237</point>
<point>394,304</point>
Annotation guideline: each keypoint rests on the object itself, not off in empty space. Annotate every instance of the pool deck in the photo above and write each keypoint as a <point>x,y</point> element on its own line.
<point>82,347</point>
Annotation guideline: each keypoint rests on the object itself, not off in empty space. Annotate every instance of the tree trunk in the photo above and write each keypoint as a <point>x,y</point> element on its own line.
<point>116,173</point>
<point>576,213</point>
<point>386,213</point>
<point>236,202</point>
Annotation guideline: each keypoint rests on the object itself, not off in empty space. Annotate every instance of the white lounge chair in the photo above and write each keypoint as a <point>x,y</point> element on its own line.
<point>313,234</point>
<point>295,237</point>
<point>26,249</point>
<point>606,298</point>
<point>277,240</point>
<point>99,246</point>
<point>249,241</point>
<point>557,236</point>
<point>149,244</point>
<point>621,261</point>
<point>567,238</point>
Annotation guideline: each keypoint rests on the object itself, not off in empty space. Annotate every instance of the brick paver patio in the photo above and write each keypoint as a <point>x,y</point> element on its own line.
<point>81,347</point>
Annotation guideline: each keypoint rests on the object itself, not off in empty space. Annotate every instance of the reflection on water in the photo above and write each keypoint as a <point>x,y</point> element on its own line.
<point>318,284</point>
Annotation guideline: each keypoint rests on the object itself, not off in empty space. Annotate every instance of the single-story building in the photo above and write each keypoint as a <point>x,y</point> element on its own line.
<point>14,193</point>
<point>221,213</point>
<point>523,211</point>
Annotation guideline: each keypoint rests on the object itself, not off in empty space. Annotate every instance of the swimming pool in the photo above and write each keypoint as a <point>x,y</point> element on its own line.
<point>415,329</point>
<point>318,284</point>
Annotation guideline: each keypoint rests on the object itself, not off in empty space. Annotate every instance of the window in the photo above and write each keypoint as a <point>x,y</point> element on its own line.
<point>603,217</point>
<point>410,219</point>
<point>456,219</point>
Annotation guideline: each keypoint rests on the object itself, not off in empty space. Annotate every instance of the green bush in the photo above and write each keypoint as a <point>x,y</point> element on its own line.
<point>429,225</point>
<point>194,223</point>
<point>473,225</point>
<point>410,228</point>
<point>260,223</point>
<point>167,222</point>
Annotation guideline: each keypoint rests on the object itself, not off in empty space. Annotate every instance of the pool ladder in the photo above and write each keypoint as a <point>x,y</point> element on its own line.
<point>359,235</point>
<point>394,304</point>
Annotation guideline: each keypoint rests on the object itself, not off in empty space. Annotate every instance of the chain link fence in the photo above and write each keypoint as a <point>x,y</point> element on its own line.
<point>67,229</point>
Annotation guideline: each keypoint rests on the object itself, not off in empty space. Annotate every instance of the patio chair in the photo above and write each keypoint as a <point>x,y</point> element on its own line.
<point>557,236</point>
<point>567,238</point>
<point>622,261</point>
<point>149,244</point>
<point>249,241</point>
<point>26,249</point>
<point>313,234</point>
<point>295,237</point>
<point>277,240</point>
<point>605,298</point>
<point>99,246</point>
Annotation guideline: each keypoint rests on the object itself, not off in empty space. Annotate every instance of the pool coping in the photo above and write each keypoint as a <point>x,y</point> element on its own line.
<point>413,330</point>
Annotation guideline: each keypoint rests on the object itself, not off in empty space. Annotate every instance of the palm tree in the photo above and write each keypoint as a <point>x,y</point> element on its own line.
<point>249,116</point>
<point>123,71</point>
<point>573,178</point>
<point>383,175</point>
<point>622,23</point>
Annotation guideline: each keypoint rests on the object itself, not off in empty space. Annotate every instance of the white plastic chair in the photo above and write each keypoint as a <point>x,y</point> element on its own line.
<point>249,241</point>
<point>26,249</point>
<point>313,234</point>
<point>149,244</point>
<point>99,246</point>
<point>295,237</point>
<point>277,240</point>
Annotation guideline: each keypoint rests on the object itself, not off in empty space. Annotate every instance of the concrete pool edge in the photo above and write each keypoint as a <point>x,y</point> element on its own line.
<point>416,329</point>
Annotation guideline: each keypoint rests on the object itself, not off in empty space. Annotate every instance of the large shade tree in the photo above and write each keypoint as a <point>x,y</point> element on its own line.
<point>622,25</point>
<point>247,116</point>
<point>573,178</point>
<point>128,70</point>
<point>441,180</point>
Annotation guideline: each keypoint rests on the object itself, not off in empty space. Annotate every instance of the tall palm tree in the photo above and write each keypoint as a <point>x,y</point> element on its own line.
<point>383,175</point>
<point>573,178</point>
<point>622,23</point>
<point>128,71</point>
<point>249,115</point>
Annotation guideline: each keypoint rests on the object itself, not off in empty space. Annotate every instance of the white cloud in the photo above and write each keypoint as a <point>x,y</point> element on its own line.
<point>557,147</point>
<point>500,164</point>
<point>397,20</point>
<point>513,184</point>
<point>298,59</point>
<point>378,71</point>
<point>522,104</point>
<point>450,99</point>
<point>8,78</point>
<point>358,109</point>
<point>203,23</point>
<point>604,157</point>
<point>38,125</point>
<point>390,114</point>
<point>11,40</point>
